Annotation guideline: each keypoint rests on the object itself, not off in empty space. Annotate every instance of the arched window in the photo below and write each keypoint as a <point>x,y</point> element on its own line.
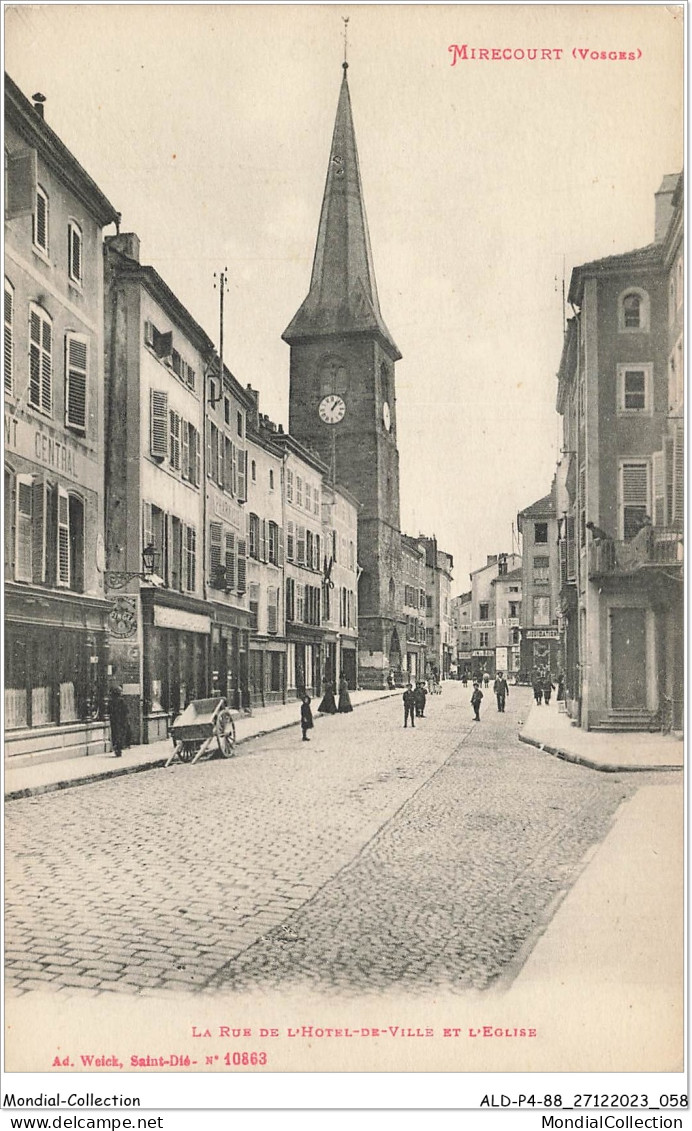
<point>633,311</point>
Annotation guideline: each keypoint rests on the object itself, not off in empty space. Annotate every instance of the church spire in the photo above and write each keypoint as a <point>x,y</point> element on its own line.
<point>343,292</point>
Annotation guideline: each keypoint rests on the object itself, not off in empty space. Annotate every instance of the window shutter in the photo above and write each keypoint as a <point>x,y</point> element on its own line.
<point>316,553</point>
<point>263,540</point>
<point>232,453</point>
<point>571,551</point>
<point>9,337</point>
<point>74,251</point>
<point>242,565</point>
<point>24,532</point>
<point>175,440</point>
<point>147,527</point>
<point>290,539</point>
<point>185,448</point>
<point>195,465</point>
<point>76,358</point>
<point>149,333</point>
<point>163,344</point>
<point>38,527</point>
<point>678,476</point>
<point>659,489</point>
<point>301,545</point>
<point>63,543</point>
<point>634,479</point>
<point>46,366</point>
<point>230,561</point>
<point>242,475</point>
<point>159,424</point>
<point>41,219</point>
<point>40,360</point>
<point>22,176</point>
<point>280,556</point>
<point>215,532</point>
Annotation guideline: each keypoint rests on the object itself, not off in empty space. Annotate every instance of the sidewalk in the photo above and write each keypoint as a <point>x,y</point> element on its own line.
<point>26,780</point>
<point>612,752</point>
<point>618,935</point>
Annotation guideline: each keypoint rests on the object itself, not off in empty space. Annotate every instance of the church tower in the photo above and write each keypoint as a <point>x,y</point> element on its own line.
<point>342,397</point>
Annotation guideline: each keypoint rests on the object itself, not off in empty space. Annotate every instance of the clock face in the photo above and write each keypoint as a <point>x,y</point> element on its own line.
<point>332,409</point>
<point>386,416</point>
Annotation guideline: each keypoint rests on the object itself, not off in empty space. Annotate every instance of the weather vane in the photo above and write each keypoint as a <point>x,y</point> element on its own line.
<point>345,19</point>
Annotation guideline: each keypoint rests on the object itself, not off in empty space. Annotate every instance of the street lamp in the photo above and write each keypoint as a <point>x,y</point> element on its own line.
<point>118,579</point>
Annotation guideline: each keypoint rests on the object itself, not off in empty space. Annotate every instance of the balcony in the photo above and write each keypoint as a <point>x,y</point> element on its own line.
<point>652,547</point>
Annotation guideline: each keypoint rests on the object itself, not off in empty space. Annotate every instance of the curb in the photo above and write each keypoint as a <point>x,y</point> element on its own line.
<point>602,767</point>
<point>157,763</point>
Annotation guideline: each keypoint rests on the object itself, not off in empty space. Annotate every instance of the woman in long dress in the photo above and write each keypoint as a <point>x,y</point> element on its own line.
<point>328,705</point>
<point>344,697</point>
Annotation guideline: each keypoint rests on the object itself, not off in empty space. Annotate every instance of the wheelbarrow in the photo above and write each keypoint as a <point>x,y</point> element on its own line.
<point>205,727</point>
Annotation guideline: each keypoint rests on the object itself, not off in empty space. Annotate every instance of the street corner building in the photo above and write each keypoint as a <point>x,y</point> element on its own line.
<point>56,614</point>
<point>620,483</point>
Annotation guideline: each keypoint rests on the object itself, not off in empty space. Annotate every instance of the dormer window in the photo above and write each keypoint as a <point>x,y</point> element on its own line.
<point>633,311</point>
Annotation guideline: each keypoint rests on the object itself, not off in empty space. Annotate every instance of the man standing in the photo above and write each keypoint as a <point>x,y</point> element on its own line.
<point>501,689</point>
<point>409,706</point>
<point>476,699</point>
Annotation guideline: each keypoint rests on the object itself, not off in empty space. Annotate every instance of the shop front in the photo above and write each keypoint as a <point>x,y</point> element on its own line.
<point>304,662</point>
<point>55,670</point>
<point>349,663</point>
<point>231,669</point>
<point>539,650</point>
<point>176,638</point>
<point>267,671</point>
<point>483,663</point>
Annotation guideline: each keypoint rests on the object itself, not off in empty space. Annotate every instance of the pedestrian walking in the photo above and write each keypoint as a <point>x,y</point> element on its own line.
<point>344,697</point>
<point>537,690</point>
<point>501,689</point>
<point>419,697</point>
<point>120,730</point>
<point>486,679</point>
<point>548,688</point>
<point>328,705</point>
<point>561,687</point>
<point>409,706</point>
<point>476,700</point>
<point>306,722</point>
<point>465,679</point>
<point>391,682</point>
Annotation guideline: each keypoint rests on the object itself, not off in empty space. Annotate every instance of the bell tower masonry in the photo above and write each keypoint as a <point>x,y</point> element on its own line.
<point>342,350</point>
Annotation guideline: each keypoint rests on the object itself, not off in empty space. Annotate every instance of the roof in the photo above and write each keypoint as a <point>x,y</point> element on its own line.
<point>639,258</point>
<point>20,112</point>
<point>513,575</point>
<point>543,508</point>
<point>343,292</point>
<point>285,440</point>
<point>412,543</point>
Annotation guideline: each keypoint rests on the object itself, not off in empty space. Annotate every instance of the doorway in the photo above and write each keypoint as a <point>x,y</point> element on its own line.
<point>628,658</point>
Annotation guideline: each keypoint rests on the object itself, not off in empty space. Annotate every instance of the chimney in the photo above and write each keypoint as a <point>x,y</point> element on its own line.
<point>38,99</point>
<point>492,558</point>
<point>664,207</point>
<point>127,243</point>
<point>253,413</point>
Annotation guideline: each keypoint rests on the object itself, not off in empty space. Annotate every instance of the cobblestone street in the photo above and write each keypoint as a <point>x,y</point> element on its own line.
<point>371,858</point>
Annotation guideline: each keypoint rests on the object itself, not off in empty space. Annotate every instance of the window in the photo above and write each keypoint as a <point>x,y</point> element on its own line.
<point>175,440</point>
<point>484,639</point>
<point>514,609</point>
<point>634,496</point>
<point>23,561</point>
<point>213,452</point>
<point>158,437</point>
<point>289,486</point>
<point>40,360</point>
<point>540,532</point>
<point>273,546</point>
<point>271,478</point>
<point>317,500</point>
<point>300,603</point>
<point>633,311</point>
<point>253,601</point>
<point>9,337</point>
<point>175,552</point>
<point>74,252</point>
<point>483,611</point>
<point>190,558</point>
<point>309,549</point>
<point>541,611</point>
<point>308,497</point>
<point>229,560</point>
<point>76,353</point>
<point>253,471</point>
<point>300,549</point>
<point>634,388</point>
<point>272,610</point>
<point>241,565</point>
<point>239,423</point>
<point>290,598</point>
<point>40,221</point>
<point>541,568</point>
<point>254,536</point>
<point>299,491</point>
<point>216,580</point>
<point>227,410</point>
<point>290,540</point>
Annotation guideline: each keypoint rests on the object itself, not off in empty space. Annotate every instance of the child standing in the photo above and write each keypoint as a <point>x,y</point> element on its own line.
<point>476,699</point>
<point>306,722</point>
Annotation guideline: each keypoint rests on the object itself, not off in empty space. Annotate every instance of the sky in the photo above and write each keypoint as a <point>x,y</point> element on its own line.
<point>485,183</point>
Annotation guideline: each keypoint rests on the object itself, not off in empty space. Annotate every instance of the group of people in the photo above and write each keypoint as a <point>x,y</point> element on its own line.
<point>543,687</point>
<point>500,690</point>
<point>328,706</point>
<point>414,702</point>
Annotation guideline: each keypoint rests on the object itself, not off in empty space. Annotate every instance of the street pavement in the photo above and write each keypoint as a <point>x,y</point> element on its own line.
<point>371,858</point>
